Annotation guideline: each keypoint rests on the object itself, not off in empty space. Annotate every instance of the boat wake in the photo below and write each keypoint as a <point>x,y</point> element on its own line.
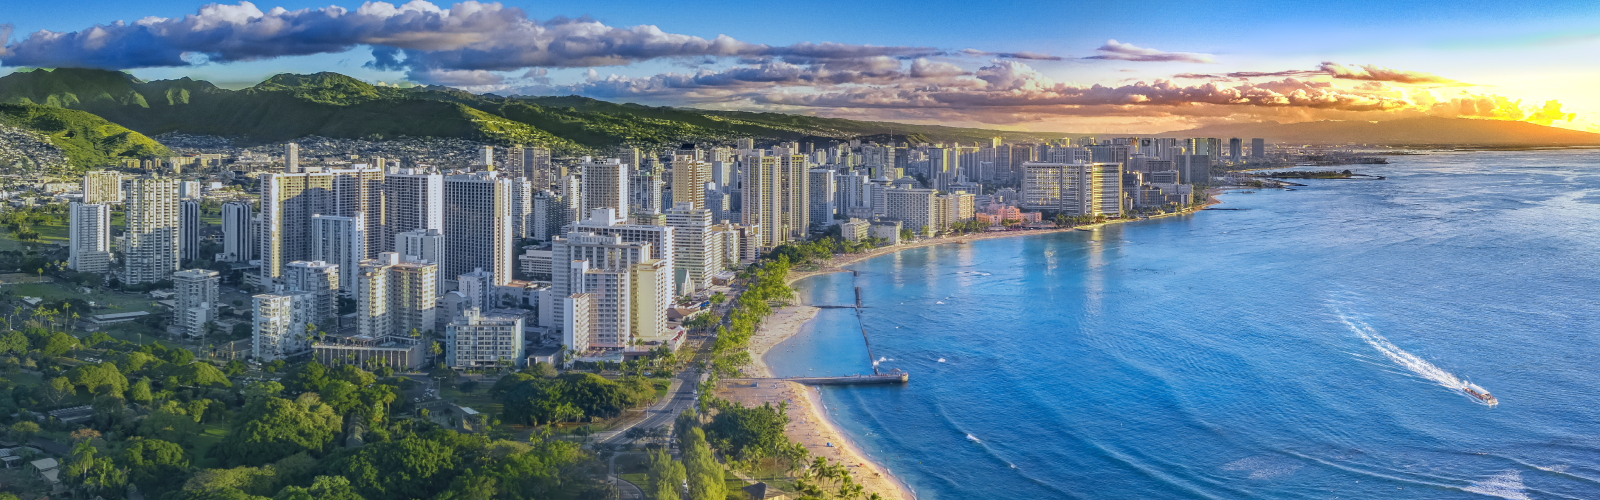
<point>1417,366</point>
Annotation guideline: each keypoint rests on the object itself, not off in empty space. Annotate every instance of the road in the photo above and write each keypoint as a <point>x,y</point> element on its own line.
<point>680,395</point>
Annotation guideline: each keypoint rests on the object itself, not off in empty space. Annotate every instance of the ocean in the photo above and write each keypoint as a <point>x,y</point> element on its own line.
<point>1294,344</point>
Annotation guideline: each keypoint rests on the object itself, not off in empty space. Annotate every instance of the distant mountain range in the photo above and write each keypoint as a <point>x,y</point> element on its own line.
<point>286,107</point>
<point>1409,131</point>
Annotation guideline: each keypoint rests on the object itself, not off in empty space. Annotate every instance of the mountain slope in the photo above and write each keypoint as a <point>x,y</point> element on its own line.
<point>286,107</point>
<point>87,141</point>
<point>1410,131</point>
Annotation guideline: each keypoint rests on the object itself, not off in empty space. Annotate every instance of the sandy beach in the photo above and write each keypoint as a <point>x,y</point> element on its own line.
<point>784,323</point>
<point>808,423</point>
<point>809,426</point>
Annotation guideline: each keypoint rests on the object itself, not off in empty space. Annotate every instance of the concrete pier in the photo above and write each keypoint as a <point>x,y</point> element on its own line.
<point>887,378</point>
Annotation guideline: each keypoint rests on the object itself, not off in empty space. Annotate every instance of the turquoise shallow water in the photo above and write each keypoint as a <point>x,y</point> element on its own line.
<point>1304,345</point>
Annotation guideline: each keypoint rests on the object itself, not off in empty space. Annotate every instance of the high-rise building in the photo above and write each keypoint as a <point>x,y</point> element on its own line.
<point>318,278</point>
<point>291,158</point>
<point>660,237</point>
<point>488,158</point>
<point>761,203</point>
<point>521,208</point>
<point>340,241</point>
<point>238,240</point>
<point>1195,169</point>
<point>89,237</point>
<point>289,200</point>
<point>603,268</point>
<point>942,164</point>
<point>644,191</point>
<point>280,322</point>
<point>822,193</point>
<point>1234,145</point>
<point>484,339</point>
<point>537,168</point>
<point>189,229</point>
<point>413,199</point>
<point>420,245</point>
<point>197,301</point>
<point>629,156</point>
<point>1258,148</point>
<point>394,297</point>
<point>915,208</point>
<point>695,255</point>
<point>151,249</point>
<point>689,178</point>
<point>575,310</point>
<point>1074,189</point>
<point>744,143</point>
<point>102,187</point>
<point>959,206</point>
<point>605,185</point>
<point>794,193</point>
<point>477,226</point>
<point>478,287</point>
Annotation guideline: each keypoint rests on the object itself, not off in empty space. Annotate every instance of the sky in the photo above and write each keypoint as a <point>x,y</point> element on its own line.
<point>1041,66</point>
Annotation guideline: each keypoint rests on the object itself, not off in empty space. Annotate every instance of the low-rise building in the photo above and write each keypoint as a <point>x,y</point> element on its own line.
<point>888,231</point>
<point>484,339</point>
<point>855,230</point>
<point>399,353</point>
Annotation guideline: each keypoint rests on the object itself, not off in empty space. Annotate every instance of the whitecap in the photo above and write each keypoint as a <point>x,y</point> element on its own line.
<point>939,302</point>
<point>1507,485</point>
<point>1264,466</point>
<point>941,360</point>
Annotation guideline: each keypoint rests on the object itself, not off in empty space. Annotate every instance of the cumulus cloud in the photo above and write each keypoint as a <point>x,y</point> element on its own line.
<point>1119,51</point>
<point>418,37</point>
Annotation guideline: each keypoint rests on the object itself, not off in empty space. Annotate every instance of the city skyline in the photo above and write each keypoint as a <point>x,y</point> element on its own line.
<point>1228,62</point>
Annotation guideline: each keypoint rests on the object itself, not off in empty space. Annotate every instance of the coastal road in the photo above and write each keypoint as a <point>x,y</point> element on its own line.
<point>680,396</point>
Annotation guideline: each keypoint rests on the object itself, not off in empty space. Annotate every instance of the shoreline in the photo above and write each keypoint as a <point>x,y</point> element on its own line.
<point>815,429</point>
<point>836,263</point>
<point>788,321</point>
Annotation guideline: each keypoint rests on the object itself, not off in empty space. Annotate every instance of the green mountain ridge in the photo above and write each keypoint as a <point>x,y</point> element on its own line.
<point>88,141</point>
<point>285,107</point>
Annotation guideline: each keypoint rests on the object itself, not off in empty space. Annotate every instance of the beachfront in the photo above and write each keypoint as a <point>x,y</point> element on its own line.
<point>808,425</point>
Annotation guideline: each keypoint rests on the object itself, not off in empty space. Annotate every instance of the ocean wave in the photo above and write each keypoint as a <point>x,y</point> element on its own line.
<point>1264,466</point>
<point>1507,485</point>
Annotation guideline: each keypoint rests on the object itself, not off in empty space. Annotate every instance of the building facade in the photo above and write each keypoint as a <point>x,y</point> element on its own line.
<point>480,339</point>
<point>152,238</point>
<point>196,294</point>
<point>89,237</point>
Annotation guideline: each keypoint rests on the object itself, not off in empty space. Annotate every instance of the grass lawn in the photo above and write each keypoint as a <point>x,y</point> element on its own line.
<point>479,400</point>
<point>111,302</point>
<point>203,442</point>
<point>640,479</point>
<point>633,463</point>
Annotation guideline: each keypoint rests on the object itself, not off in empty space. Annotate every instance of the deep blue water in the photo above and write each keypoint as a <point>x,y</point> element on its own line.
<point>1305,345</point>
